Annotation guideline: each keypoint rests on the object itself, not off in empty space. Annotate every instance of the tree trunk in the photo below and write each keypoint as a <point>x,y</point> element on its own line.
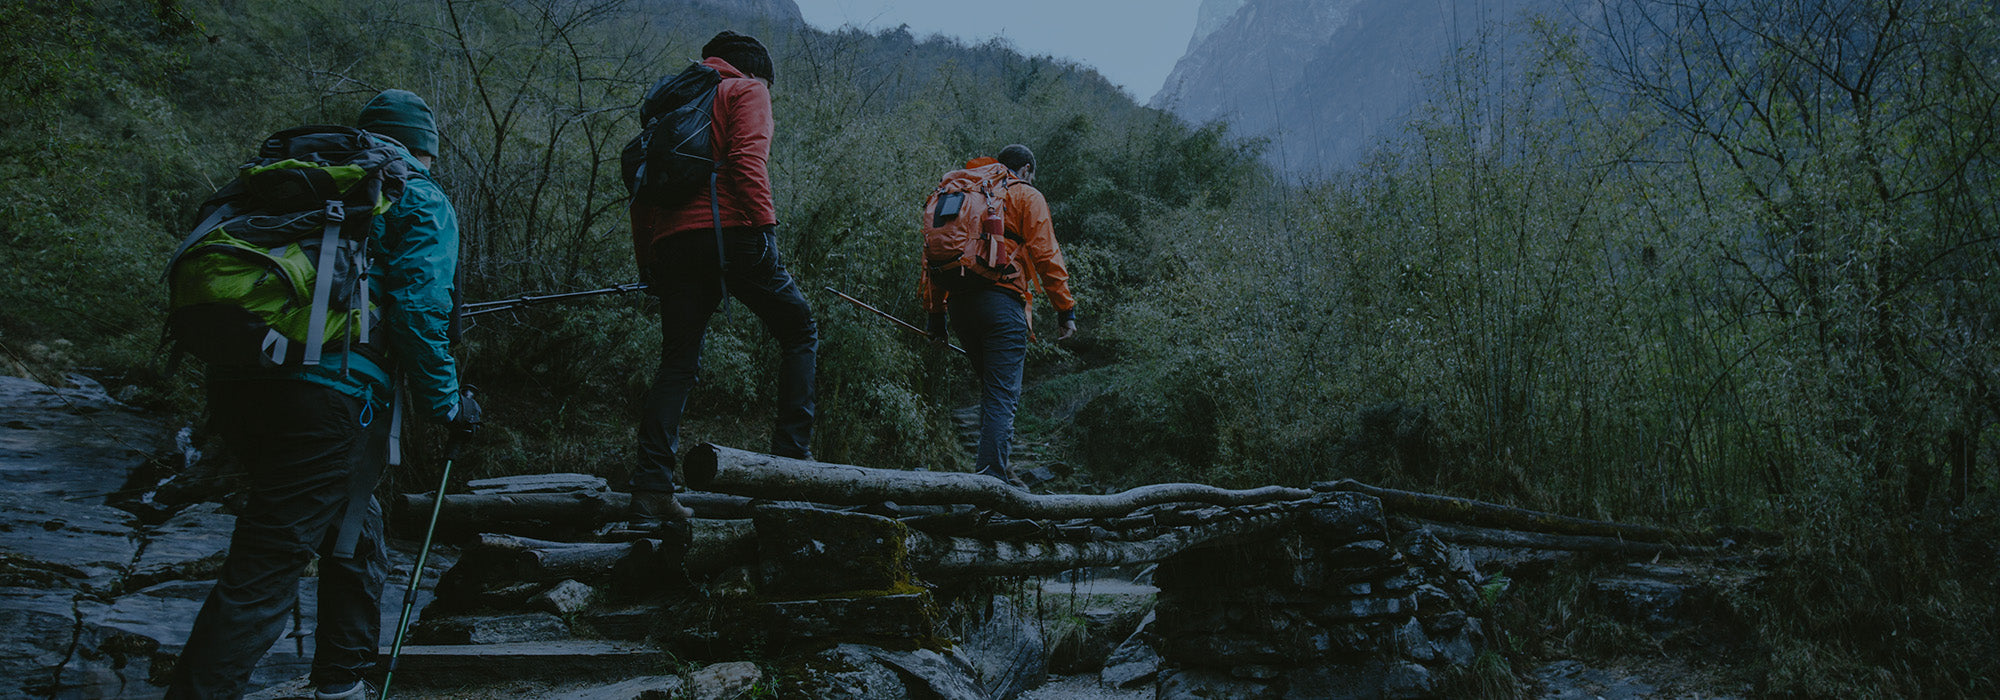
<point>716,468</point>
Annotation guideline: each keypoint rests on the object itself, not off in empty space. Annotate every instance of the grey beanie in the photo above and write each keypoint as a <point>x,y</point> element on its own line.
<point>403,116</point>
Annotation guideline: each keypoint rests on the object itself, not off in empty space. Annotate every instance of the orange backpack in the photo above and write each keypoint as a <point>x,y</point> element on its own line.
<point>964,223</point>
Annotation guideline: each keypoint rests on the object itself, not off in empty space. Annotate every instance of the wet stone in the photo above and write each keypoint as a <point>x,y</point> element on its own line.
<point>190,545</point>
<point>1005,647</point>
<point>1432,600</point>
<point>809,551</point>
<point>946,675</point>
<point>844,672</point>
<point>1203,684</point>
<point>1412,643</point>
<point>1653,604</point>
<point>41,627</point>
<point>492,629</point>
<point>1448,622</point>
<point>897,618</point>
<point>1347,517</point>
<point>1409,681</point>
<point>52,542</point>
<point>1335,682</point>
<point>642,688</point>
<point>564,598</point>
<point>75,442</point>
<point>1459,649</point>
<point>1134,661</point>
<point>723,681</point>
<point>1359,553</point>
<point>1363,608</point>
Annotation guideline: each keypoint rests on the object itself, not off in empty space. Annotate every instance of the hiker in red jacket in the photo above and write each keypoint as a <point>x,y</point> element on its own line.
<point>676,248</point>
<point>991,316</point>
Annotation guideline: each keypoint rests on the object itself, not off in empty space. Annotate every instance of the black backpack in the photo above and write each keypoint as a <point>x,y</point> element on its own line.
<point>276,269</point>
<point>673,157</point>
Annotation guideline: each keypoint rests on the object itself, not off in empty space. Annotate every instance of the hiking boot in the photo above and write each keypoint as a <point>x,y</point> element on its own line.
<point>1006,476</point>
<point>651,508</point>
<point>351,690</point>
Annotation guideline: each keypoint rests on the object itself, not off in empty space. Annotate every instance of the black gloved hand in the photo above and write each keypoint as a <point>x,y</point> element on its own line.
<point>464,420</point>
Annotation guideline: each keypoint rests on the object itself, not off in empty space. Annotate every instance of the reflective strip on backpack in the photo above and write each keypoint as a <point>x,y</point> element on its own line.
<point>361,281</point>
<point>396,424</point>
<point>274,346</point>
<point>323,281</point>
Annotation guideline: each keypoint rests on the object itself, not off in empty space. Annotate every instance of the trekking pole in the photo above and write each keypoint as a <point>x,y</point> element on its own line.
<point>487,307</point>
<point>885,314</point>
<point>417,575</point>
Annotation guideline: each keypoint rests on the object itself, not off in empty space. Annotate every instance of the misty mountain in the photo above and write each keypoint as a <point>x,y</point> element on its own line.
<point>778,12</point>
<point>1323,80</point>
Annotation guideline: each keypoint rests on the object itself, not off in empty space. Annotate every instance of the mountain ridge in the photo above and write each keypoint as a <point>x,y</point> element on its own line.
<point>1322,80</point>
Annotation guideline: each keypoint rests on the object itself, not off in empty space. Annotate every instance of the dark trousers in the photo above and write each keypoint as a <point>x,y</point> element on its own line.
<point>992,324</point>
<point>686,281</point>
<point>299,443</point>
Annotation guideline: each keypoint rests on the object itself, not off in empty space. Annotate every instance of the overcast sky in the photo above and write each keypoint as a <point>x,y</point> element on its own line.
<point>1133,43</point>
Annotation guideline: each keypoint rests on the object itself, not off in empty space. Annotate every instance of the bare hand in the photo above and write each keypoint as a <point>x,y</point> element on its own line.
<point>1068,329</point>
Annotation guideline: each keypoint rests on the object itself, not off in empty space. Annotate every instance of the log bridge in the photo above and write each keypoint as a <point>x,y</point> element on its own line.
<point>1266,590</point>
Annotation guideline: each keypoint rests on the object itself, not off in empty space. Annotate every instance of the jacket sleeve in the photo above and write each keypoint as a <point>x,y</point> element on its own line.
<point>1044,256</point>
<point>747,127</point>
<point>419,268</point>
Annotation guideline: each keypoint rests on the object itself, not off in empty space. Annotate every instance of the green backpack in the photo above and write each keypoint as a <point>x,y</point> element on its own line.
<point>277,269</point>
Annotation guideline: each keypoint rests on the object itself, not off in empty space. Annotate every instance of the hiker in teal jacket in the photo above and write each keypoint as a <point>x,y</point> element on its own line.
<point>313,441</point>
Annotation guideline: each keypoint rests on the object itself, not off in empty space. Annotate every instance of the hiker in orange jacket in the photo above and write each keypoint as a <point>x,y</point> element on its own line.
<point>991,319</point>
<point>677,248</point>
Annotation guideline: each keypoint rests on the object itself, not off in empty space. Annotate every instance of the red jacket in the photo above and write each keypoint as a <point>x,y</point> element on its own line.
<point>742,131</point>
<point>1039,257</point>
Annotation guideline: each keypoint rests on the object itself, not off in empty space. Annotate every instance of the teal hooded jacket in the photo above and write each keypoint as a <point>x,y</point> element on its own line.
<point>414,267</point>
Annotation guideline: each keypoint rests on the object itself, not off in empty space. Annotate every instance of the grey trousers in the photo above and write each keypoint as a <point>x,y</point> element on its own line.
<point>300,443</point>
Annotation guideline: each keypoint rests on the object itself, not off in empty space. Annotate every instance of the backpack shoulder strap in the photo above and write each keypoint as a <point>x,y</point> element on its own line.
<point>329,243</point>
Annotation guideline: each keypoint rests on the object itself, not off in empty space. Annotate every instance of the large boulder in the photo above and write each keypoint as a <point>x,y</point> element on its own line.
<point>74,442</point>
<point>1004,646</point>
<point>51,542</point>
<point>190,545</point>
<point>1092,616</point>
<point>41,630</point>
<point>1134,662</point>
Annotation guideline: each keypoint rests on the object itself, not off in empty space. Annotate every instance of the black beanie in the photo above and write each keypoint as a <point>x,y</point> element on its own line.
<point>1016,157</point>
<point>743,52</point>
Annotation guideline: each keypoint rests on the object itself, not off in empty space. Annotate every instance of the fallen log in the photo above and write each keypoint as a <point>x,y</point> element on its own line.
<point>716,468</point>
<point>715,545</point>
<point>1466,535</point>
<point>514,559</point>
<point>961,557</point>
<point>548,513</point>
<point>1493,516</point>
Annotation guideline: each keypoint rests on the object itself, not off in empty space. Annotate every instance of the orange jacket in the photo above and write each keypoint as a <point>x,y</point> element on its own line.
<point>1027,215</point>
<point>742,130</point>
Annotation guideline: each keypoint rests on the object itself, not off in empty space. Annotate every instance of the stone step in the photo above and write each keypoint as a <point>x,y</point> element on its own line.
<point>455,664</point>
